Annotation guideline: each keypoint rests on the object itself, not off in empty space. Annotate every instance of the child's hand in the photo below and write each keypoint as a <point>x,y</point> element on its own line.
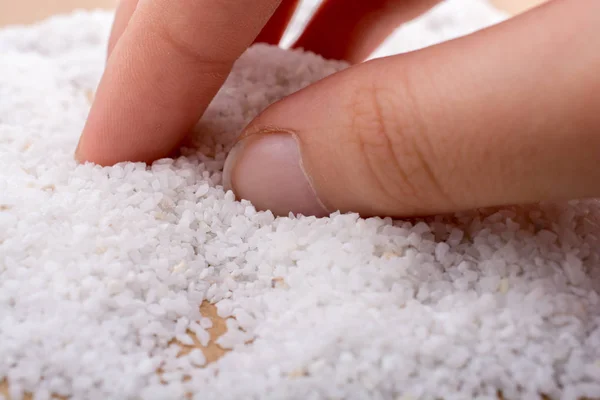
<point>508,115</point>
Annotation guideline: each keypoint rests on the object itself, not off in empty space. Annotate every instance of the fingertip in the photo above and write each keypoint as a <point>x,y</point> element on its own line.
<point>169,59</point>
<point>267,169</point>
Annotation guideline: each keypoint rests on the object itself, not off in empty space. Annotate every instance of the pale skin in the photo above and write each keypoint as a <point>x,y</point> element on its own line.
<point>507,115</point>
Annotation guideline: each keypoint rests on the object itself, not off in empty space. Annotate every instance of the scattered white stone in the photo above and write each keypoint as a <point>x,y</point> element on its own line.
<point>102,268</point>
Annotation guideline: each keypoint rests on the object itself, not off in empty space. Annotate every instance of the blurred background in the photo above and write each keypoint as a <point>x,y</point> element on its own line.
<point>28,11</point>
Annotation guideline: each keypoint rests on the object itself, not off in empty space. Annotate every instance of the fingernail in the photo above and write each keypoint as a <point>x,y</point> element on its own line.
<point>267,170</point>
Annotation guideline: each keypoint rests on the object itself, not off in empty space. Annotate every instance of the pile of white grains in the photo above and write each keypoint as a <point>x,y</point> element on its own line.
<point>101,268</point>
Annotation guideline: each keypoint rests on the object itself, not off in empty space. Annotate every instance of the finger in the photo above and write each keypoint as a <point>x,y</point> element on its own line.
<point>352,29</point>
<point>163,73</point>
<point>123,14</point>
<point>277,25</point>
<point>505,116</point>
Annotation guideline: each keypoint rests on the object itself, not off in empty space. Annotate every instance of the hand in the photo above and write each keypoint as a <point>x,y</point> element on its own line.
<point>504,116</point>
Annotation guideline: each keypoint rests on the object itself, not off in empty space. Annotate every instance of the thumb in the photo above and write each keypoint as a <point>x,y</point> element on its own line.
<point>475,122</point>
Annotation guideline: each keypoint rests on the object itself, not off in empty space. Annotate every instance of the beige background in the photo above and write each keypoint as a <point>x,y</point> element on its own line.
<point>28,11</point>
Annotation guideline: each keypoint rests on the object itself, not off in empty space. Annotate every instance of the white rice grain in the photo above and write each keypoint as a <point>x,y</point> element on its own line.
<point>102,268</point>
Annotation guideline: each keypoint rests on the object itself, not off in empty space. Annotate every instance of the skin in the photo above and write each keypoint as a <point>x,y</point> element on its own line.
<point>507,115</point>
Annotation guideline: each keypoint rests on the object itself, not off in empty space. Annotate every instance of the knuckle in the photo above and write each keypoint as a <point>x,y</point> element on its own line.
<point>187,49</point>
<point>393,139</point>
<point>174,26</point>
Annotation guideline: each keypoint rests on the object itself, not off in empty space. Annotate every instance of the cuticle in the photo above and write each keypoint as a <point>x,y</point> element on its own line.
<point>308,177</point>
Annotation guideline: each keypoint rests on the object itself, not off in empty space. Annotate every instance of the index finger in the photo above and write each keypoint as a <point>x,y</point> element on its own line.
<point>165,69</point>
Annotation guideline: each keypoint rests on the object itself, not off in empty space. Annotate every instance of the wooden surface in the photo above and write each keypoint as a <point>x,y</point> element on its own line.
<point>29,11</point>
<point>212,351</point>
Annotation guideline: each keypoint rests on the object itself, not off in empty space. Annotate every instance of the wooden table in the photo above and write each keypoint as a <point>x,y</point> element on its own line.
<point>29,11</point>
